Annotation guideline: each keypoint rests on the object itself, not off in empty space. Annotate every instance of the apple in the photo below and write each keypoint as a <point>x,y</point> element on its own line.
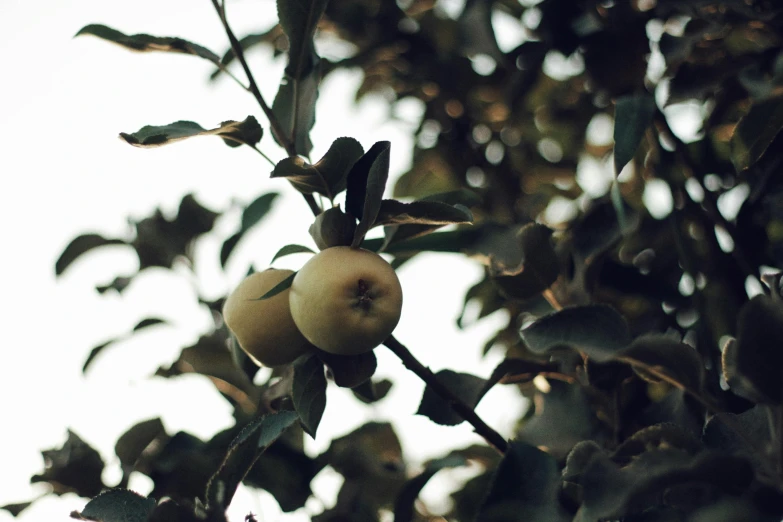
<point>345,300</point>
<point>264,329</point>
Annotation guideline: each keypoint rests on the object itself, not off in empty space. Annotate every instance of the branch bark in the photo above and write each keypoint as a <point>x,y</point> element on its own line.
<point>492,437</point>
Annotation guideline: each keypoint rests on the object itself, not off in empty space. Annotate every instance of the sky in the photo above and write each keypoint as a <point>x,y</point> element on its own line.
<point>64,102</point>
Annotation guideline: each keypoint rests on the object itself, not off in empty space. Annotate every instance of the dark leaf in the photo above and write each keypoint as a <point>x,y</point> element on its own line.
<point>394,212</point>
<point>525,486</point>
<point>333,227</point>
<point>366,184</point>
<point>294,107</point>
<point>95,352</point>
<point>756,131</point>
<point>745,434</point>
<point>243,451</point>
<point>563,417</point>
<point>299,21</point>
<point>476,32</point>
<point>328,176</point>
<point>252,214</point>
<point>134,442</point>
<point>248,42</point>
<point>309,392</point>
<point>465,386</point>
<point>755,361</point>
<point>144,323</point>
<point>516,371</point>
<point>372,391</point>
<point>349,371</point>
<point>633,113</point>
<point>74,468</point>
<point>146,43</point>
<point>16,508</point>
<point>117,505</point>
<point>657,357</point>
<point>285,472</point>
<point>537,269</point>
<point>119,284</point>
<point>246,132</point>
<point>287,250</point>
<point>404,504</point>
<point>597,329</point>
<point>279,287</point>
<point>149,321</point>
<point>79,246</point>
<point>600,228</point>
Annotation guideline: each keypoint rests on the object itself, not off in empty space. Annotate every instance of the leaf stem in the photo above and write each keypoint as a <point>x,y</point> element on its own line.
<point>492,437</point>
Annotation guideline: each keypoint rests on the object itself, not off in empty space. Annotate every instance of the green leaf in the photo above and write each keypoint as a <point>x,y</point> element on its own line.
<point>147,43</point>
<point>243,452</point>
<point>287,250</point>
<point>329,175</point>
<point>394,212</point>
<point>465,386</point>
<point>372,391</point>
<point>598,330</point>
<point>754,362</point>
<point>366,184</point>
<point>537,269</point>
<point>252,214</point>
<point>756,131</point>
<point>81,245</point>
<point>234,133</point>
<point>117,505</point>
<point>404,504</point>
<point>294,108</point>
<point>633,113</point>
<point>299,20</point>
<point>309,392</point>
<point>349,371</point>
<point>525,486</point>
<point>279,287</point>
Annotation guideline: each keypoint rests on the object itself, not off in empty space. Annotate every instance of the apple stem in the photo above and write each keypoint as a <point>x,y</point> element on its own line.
<point>492,437</point>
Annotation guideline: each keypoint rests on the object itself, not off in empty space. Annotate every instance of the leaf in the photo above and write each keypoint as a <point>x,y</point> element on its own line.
<point>372,391</point>
<point>243,452</point>
<point>537,269</point>
<point>117,505</point>
<point>81,245</point>
<point>74,468</point>
<point>252,214</point>
<point>333,227</point>
<point>404,504</point>
<point>525,486</point>
<point>329,175</point>
<point>394,212</point>
<point>633,113</point>
<point>234,133</point>
<point>248,42</point>
<point>657,357</point>
<point>294,108</point>
<point>287,250</point>
<point>516,371</point>
<point>476,32</point>
<point>366,184</point>
<point>144,323</point>
<point>279,287</point>
<point>754,363</point>
<point>465,386</point>
<point>147,43</point>
<point>756,131</point>
<point>132,444</point>
<point>597,329</point>
<point>349,371</point>
<point>309,392</point>
<point>299,20</point>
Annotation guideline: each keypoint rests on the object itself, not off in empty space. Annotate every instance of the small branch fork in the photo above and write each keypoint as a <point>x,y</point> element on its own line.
<point>492,437</point>
<point>277,130</point>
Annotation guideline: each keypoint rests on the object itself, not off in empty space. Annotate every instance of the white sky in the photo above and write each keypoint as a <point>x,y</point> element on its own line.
<point>63,103</point>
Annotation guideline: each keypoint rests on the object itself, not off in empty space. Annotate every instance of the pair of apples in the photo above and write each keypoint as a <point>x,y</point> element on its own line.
<point>344,300</point>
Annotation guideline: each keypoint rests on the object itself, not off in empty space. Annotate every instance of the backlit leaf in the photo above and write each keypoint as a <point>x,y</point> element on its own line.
<point>309,392</point>
<point>234,133</point>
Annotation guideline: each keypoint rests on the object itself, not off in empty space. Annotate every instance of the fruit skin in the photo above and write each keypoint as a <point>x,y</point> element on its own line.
<point>346,301</point>
<point>264,329</point>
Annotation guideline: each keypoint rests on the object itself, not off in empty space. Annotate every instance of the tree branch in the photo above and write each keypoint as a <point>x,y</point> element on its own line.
<point>425,374</point>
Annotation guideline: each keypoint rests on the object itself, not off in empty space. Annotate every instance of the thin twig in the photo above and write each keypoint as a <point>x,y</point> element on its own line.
<point>425,374</point>
<point>240,54</point>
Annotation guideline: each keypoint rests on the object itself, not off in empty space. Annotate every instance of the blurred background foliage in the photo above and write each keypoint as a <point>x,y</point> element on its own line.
<point>576,128</point>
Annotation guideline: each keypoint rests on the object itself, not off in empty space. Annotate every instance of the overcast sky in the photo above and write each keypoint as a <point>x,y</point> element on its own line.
<point>65,172</point>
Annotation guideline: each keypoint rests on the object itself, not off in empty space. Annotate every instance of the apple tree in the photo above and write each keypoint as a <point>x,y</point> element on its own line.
<point>645,315</point>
